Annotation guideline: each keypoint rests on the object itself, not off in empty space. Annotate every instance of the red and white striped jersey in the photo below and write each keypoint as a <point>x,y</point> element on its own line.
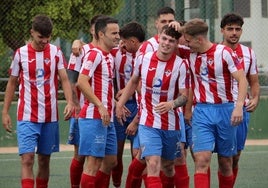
<point>161,82</point>
<point>248,60</point>
<point>99,66</point>
<point>212,77</point>
<point>75,64</point>
<point>38,89</point>
<point>150,45</point>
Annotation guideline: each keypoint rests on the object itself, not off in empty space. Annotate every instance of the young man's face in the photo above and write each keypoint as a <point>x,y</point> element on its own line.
<point>129,44</point>
<point>167,44</point>
<point>111,36</point>
<point>192,42</point>
<point>231,33</point>
<point>163,20</point>
<point>39,41</point>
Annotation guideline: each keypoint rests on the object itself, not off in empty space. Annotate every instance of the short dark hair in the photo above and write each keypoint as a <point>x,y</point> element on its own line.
<point>94,19</point>
<point>42,24</point>
<point>165,10</point>
<point>133,29</point>
<point>232,18</point>
<point>170,31</point>
<point>101,24</point>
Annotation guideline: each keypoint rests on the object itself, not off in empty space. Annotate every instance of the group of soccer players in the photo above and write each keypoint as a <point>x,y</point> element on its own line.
<point>177,90</point>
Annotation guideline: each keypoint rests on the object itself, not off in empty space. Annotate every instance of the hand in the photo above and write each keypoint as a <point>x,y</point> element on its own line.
<point>237,116</point>
<point>77,109</point>
<point>104,115</point>
<point>6,121</point>
<point>77,47</point>
<point>176,25</point>
<point>252,105</point>
<point>132,128</point>
<point>68,111</point>
<point>163,107</point>
<point>120,113</point>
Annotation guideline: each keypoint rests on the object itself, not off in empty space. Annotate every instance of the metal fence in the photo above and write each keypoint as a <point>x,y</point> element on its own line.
<point>71,19</point>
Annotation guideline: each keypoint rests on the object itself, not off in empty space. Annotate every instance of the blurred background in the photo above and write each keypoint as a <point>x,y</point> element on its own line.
<point>71,21</point>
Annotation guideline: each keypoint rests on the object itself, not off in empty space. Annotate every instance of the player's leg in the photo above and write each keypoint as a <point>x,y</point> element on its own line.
<point>27,136</point>
<point>242,131</point>
<point>182,179</point>
<point>109,160</point>
<point>226,144</point>
<point>93,137</point>
<point>203,142</point>
<point>170,151</point>
<point>48,143</point>
<point>136,167</point>
<point>77,163</point>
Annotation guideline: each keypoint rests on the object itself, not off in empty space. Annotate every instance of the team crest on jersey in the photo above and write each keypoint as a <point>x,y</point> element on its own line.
<point>168,73</point>
<point>46,60</point>
<point>210,61</point>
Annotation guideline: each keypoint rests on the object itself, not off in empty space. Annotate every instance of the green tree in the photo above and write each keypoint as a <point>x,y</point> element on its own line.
<point>69,17</point>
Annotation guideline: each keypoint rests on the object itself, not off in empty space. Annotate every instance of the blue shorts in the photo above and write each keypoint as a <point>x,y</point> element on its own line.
<point>157,142</point>
<point>42,137</point>
<point>96,139</point>
<point>188,133</point>
<point>121,129</point>
<point>73,137</point>
<point>212,129</point>
<point>242,131</point>
<point>136,141</point>
<point>182,127</point>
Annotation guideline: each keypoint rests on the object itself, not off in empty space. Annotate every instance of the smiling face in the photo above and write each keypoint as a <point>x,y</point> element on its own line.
<point>39,41</point>
<point>163,20</point>
<point>231,34</point>
<point>167,44</point>
<point>110,37</point>
<point>192,42</point>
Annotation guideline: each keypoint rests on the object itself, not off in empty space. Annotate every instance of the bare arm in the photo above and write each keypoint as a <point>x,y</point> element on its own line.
<point>87,91</point>
<point>77,47</point>
<point>237,115</point>
<point>66,86</point>
<point>9,94</point>
<point>129,91</point>
<point>181,100</point>
<point>254,91</point>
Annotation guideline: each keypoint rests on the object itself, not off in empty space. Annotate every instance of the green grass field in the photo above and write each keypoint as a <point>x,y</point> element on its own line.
<point>253,169</point>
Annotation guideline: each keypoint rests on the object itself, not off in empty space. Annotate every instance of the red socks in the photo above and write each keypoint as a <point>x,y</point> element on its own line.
<point>153,182</point>
<point>27,183</point>
<point>102,180</point>
<point>41,183</point>
<point>182,179</point>
<point>201,180</point>
<point>167,182</point>
<point>225,181</point>
<point>87,181</point>
<point>117,173</point>
<point>235,172</point>
<point>76,169</point>
<point>134,177</point>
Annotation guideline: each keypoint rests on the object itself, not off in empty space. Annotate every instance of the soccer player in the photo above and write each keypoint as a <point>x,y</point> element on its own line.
<point>96,128</point>
<point>161,92</point>
<point>165,16</point>
<point>231,29</point>
<point>132,35</point>
<point>215,117</point>
<point>36,66</point>
<point>73,69</point>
